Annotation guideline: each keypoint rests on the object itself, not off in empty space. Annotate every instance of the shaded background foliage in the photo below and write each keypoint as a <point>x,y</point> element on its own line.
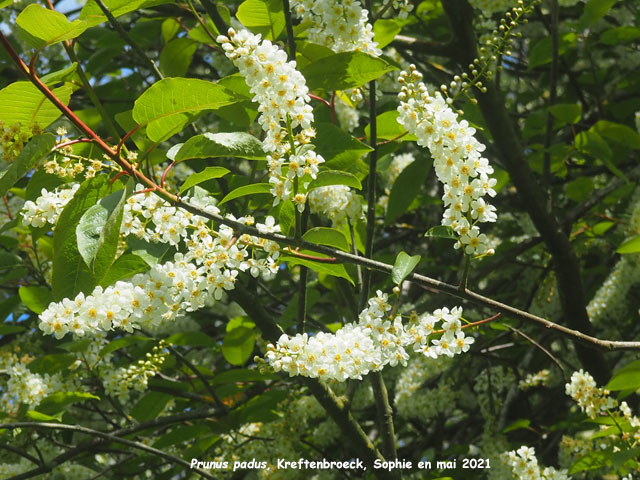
<point>558,119</point>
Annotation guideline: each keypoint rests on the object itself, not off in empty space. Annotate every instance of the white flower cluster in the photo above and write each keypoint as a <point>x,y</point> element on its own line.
<point>337,202</point>
<point>341,25</point>
<point>534,379</point>
<point>120,382</point>
<point>610,302</point>
<point>457,160</point>
<point>638,121</point>
<point>48,206</point>
<point>403,7</point>
<point>413,400</point>
<point>149,217</point>
<point>167,290</point>
<point>591,399</point>
<point>369,345</point>
<point>398,164</point>
<point>489,7</point>
<point>346,112</point>
<point>23,386</point>
<point>524,465</point>
<point>282,94</point>
<point>275,83</point>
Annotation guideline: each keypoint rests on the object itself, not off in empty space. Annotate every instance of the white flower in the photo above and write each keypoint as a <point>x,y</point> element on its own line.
<point>457,159</point>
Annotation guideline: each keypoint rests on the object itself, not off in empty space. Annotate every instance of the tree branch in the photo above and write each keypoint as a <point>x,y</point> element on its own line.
<point>95,433</point>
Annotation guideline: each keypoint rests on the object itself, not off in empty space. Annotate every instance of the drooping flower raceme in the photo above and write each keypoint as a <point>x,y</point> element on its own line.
<point>375,341</point>
<point>457,160</point>
<point>24,386</point>
<point>524,465</point>
<point>591,399</point>
<point>341,25</point>
<point>337,202</point>
<point>47,207</point>
<point>165,291</point>
<point>282,94</point>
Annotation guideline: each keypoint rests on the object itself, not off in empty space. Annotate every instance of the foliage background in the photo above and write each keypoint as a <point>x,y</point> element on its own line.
<point>557,115</point>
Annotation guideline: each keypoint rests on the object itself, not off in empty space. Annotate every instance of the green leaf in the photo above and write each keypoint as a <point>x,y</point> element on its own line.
<point>64,75</point>
<point>240,321</point>
<point>58,402</point>
<point>591,461</point>
<point>28,158</point>
<point>41,417</point>
<point>601,228</point>
<point>579,189</point>
<point>176,56</point>
<point>213,145</point>
<point>194,339</point>
<point>337,146</point>
<point>327,236</point>
<point>541,53</point>
<point>125,266</point>
<point>238,344</point>
<point>10,261</point>
<point>517,425</point>
<point>617,132</point>
<point>36,298</point>
<point>593,11</point>
<point>567,112</point>
<point>181,434</point>
<point>98,231</point>
<point>286,216</point>
<point>93,15</point>
<point>628,377</point>
<point>384,31</point>
<point>591,143</point>
<point>170,104</point>
<point>630,246</point>
<point>253,189</point>
<point>334,269</point>
<point>406,187</point>
<point>344,70</point>
<point>23,103</point>
<point>403,266</point>
<point>10,329</point>
<point>335,177</point>
<point>123,342</point>
<point>170,27</point>
<point>52,363</point>
<point>262,16</point>
<point>199,177</point>
<point>620,35</point>
<point>150,252</point>
<point>40,26</point>
<point>150,406</point>
<point>70,274</point>
<point>441,231</point>
<point>388,128</point>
